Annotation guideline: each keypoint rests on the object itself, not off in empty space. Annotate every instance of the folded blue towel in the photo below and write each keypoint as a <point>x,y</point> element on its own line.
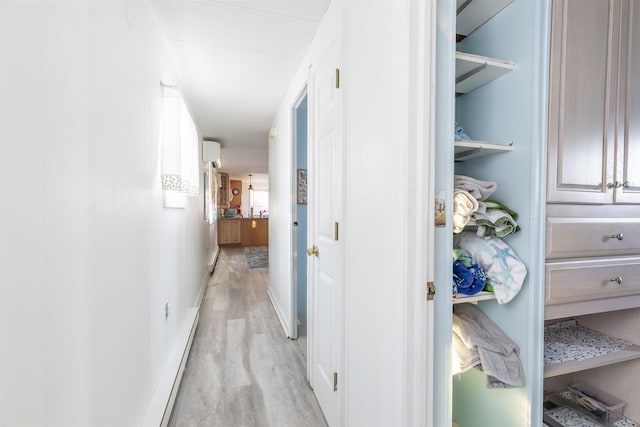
<point>459,134</point>
<point>468,276</point>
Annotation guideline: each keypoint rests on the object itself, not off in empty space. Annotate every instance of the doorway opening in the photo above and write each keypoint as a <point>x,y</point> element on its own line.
<point>299,215</point>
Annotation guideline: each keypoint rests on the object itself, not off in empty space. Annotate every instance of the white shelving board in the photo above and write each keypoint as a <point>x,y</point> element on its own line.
<point>471,14</point>
<point>467,150</point>
<point>562,368</point>
<point>473,71</point>
<point>481,296</point>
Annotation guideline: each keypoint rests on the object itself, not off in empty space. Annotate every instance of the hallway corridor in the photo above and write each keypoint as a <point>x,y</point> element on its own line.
<point>242,370</point>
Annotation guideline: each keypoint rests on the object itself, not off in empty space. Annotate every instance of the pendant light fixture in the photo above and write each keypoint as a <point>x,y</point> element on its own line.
<point>250,197</point>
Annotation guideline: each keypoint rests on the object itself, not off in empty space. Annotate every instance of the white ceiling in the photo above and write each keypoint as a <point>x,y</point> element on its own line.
<point>235,60</point>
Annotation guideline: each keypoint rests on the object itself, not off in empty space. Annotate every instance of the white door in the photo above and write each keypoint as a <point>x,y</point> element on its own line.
<point>326,203</point>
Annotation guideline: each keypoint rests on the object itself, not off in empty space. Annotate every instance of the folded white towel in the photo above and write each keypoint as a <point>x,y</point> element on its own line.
<point>504,270</point>
<point>478,189</point>
<point>464,205</point>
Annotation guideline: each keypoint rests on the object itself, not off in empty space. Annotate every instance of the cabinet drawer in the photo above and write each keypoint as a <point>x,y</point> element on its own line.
<point>591,279</point>
<point>588,237</point>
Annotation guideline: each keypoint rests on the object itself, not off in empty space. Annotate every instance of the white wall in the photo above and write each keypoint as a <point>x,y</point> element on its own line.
<point>378,258</point>
<point>88,256</point>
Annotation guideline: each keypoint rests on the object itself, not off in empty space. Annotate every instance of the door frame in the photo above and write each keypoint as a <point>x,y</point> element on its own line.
<point>293,314</point>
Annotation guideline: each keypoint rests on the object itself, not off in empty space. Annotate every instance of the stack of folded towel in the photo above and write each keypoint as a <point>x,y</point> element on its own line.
<point>464,206</point>
<point>481,190</point>
<point>492,218</point>
<point>498,220</point>
<point>479,343</point>
<point>468,276</point>
<point>505,272</point>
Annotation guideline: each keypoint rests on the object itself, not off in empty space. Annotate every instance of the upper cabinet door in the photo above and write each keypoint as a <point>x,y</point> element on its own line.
<point>628,147</point>
<point>584,50</point>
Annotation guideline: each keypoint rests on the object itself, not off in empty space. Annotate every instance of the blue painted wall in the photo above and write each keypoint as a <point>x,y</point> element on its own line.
<point>301,211</point>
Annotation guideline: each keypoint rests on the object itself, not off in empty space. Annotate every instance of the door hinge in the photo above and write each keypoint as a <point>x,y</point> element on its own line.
<point>337,78</point>
<point>431,291</point>
<point>335,231</point>
<point>335,381</point>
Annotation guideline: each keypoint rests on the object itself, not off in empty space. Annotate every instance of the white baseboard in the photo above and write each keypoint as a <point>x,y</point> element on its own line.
<point>213,259</point>
<point>203,288</point>
<point>162,403</point>
<point>281,315</point>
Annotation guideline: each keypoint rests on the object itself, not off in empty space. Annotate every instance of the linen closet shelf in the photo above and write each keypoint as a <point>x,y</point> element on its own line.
<point>570,347</point>
<point>467,150</point>
<point>629,353</point>
<point>471,14</point>
<point>473,71</point>
<point>480,296</point>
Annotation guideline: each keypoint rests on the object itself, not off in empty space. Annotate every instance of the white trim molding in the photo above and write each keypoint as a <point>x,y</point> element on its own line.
<point>162,402</point>
<point>282,317</point>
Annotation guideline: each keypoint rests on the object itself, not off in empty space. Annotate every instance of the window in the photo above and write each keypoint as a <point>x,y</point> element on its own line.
<point>179,136</point>
<point>260,202</point>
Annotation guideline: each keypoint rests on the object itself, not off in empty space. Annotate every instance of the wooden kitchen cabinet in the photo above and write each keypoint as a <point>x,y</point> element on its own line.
<point>243,232</point>
<point>594,103</point>
<point>255,232</point>
<point>223,190</point>
<point>229,231</point>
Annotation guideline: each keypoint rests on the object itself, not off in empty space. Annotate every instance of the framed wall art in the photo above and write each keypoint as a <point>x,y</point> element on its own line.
<point>302,186</point>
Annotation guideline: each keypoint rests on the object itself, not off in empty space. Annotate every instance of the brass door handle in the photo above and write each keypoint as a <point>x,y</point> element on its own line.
<point>313,251</point>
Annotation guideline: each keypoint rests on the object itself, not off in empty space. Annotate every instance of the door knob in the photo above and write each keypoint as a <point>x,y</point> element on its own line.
<point>313,251</point>
<point>626,184</point>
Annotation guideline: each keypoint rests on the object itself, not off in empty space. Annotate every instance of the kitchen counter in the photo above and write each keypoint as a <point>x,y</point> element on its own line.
<point>243,231</point>
<point>240,217</point>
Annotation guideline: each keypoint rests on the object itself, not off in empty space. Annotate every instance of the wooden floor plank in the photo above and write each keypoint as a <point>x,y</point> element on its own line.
<point>242,369</point>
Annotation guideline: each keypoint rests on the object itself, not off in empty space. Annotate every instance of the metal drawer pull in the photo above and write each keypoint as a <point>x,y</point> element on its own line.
<point>626,184</point>
<point>618,236</point>
<point>618,280</point>
<point>615,184</point>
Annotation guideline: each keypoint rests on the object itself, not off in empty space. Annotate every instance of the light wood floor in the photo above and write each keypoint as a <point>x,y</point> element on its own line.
<point>242,370</point>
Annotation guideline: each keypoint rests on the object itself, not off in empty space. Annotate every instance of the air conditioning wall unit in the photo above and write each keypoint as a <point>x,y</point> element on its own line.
<point>211,152</point>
